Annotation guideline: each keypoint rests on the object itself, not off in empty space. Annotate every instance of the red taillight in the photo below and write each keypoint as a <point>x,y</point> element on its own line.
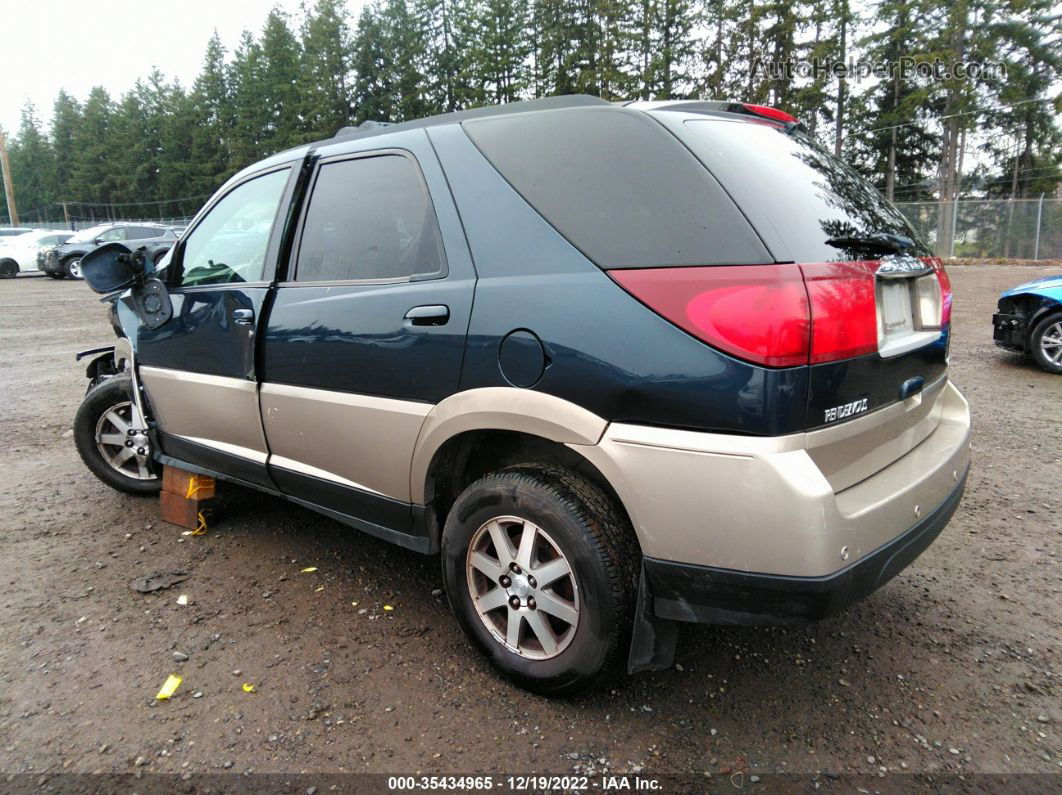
<point>945,289</point>
<point>773,315</point>
<point>844,318</point>
<point>755,312</point>
<point>769,113</point>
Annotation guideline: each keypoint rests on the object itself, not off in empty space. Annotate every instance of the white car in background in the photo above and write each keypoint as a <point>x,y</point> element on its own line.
<point>19,254</point>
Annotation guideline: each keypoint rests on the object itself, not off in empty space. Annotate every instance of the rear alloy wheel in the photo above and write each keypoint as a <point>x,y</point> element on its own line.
<point>8,270</point>
<point>1045,342</point>
<point>111,442</point>
<point>540,570</point>
<point>72,268</point>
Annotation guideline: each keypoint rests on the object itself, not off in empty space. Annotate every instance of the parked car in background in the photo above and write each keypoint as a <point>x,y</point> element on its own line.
<point>704,377</point>
<point>64,262</point>
<point>14,231</point>
<point>21,254</point>
<point>1029,321</point>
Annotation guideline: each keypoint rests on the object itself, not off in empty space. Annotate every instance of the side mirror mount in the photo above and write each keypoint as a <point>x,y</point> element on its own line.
<point>113,267</point>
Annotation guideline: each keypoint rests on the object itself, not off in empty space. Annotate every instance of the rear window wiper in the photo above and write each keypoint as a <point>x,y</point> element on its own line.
<point>881,241</point>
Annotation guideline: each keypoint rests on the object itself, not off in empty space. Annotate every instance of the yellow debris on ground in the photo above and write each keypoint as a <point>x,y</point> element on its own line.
<point>169,687</point>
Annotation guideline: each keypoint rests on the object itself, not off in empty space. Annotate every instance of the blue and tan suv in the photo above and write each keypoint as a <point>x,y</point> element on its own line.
<point>622,366</point>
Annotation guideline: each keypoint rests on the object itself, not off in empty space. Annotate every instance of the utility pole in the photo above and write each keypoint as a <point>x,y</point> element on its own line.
<point>66,216</point>
<point>9,187</point>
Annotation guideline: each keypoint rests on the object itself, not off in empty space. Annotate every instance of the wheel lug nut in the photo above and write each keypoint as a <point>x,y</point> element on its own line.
<point>505,581</point>
<point>128,442</point>
<point>514,602</point>
<point>140,451</point>
<point>532,582</point>
<point>531,603</point>
<point>514,568</point>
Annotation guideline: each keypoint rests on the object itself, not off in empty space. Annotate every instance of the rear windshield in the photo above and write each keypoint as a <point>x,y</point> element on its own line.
<point>619,187</point>
<point>803,191</point>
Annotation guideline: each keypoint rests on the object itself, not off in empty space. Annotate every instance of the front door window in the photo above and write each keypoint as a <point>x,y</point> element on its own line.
<point>229,245</point>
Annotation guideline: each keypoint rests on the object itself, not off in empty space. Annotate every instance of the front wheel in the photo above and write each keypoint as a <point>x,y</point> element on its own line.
<point>540,570</point>
<point>1045,342</point>
<point>110,441</point>
<point>72,268</point>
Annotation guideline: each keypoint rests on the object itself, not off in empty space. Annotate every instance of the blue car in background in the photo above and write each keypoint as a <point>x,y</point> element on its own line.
<point>1029,320</point>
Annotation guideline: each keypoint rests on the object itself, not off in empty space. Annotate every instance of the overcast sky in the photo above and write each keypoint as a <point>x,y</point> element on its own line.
<point>74,44</point>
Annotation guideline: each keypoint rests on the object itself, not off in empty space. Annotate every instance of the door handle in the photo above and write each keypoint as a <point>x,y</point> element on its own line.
<point>244,317</point>
<point>432,315</point>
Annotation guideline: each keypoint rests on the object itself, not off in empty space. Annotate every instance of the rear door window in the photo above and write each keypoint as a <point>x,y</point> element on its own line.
<point>790,182</point>
<point>113,235</point>
<point>619,187</point>
<point>369,219</point>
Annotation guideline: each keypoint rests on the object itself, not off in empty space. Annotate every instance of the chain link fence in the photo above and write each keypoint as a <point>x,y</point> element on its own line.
<point>983,228</point>
<point>994,228</point>
<point>77,224</point>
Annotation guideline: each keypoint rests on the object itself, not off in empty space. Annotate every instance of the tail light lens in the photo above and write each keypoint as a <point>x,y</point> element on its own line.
<point>755,312</point>
<point>945,290</point>
<point>844,314</point>
<point>780,315</point>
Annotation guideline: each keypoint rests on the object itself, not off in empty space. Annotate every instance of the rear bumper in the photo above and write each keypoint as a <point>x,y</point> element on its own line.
<point>806,506</point>
<point>683,592</point>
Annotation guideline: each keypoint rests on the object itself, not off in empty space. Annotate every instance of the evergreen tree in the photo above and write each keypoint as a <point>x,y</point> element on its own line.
<point>213,119</point>
<point>32,164</point>
<point>324,82</point>
<point>894,150</point>
<point>249,114</point>
<point>66,118</point>
<point>92,177</point>
<point>374,90</point>
<point>279,77</point>
<point>494,36</point>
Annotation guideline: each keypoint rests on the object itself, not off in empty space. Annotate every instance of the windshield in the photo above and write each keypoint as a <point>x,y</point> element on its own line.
<point>806,194</point>
<point>90,234</point>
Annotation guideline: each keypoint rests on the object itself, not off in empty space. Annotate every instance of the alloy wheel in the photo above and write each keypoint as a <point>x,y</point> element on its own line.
<point>523,587</point>
<point>123,446</point>
<point>1051,343</point>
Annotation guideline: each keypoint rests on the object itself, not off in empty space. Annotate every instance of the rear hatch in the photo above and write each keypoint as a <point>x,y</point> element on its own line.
<point>879,302</point>
<point>721,227</point>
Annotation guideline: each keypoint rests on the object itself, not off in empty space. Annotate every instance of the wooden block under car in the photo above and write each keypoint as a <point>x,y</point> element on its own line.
<point>185,512</point>
<point>186,499</point>
<point>187,484</point>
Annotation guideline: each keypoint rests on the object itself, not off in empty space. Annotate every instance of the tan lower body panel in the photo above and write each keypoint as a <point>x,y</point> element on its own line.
<point>210,410</point>
<point>765,505</point>
<point>354,440</point>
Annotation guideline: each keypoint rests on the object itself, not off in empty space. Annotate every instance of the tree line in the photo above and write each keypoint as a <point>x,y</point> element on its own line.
<point>160,148</point>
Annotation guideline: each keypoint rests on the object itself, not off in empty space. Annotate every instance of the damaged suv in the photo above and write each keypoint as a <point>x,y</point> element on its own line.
<point>622,366</point>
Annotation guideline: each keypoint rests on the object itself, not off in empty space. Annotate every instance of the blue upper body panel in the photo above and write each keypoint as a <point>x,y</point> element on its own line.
<point>1049,287</point>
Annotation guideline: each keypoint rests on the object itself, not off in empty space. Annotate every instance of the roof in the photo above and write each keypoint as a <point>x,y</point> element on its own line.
<point>370,129</point>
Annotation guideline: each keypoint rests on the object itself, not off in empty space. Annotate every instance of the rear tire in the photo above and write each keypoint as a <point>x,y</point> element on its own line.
<point>8,269</point>
<point>101,434</point>
<point>553,636</point>
<point>1045,343</point>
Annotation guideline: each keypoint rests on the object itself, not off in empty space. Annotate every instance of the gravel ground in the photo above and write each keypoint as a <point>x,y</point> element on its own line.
<point>954,666</point>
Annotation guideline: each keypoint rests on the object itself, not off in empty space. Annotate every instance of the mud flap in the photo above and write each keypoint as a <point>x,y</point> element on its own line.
<point>653,638</point>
